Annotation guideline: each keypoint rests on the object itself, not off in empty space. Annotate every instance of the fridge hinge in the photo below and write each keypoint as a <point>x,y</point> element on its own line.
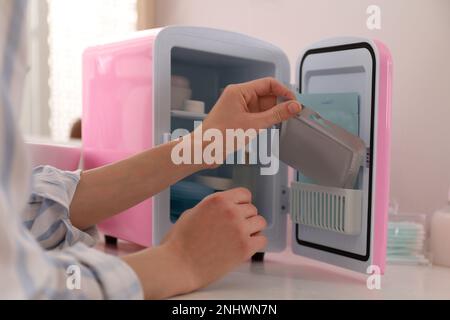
<point>285,201</point>
<point>368,156</point>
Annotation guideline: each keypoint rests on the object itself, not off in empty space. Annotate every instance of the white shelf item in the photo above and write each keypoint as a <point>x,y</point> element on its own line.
<point>327,208</point>
<point>188,115</point>
<point>181,91</point>
<point>194,106</point>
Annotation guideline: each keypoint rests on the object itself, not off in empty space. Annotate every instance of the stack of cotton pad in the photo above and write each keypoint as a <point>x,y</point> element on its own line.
<point>406,243</point>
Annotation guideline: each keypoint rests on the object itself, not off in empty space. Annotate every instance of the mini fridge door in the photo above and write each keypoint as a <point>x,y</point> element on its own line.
<point>347,227</point>
<point>205,61</point>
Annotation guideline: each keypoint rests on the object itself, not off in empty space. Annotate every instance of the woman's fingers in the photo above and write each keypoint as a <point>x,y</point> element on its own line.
<point>277,114</point>
<point>261,96</point>
<point>267,87</point>
<point>238,195</point>
<point>248,210</point>
<point>265,103</point>
<point>258,243</point>
<point>255,225</point>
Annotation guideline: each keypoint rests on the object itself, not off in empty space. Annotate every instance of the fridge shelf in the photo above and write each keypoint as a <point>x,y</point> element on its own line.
<point>326,208</point>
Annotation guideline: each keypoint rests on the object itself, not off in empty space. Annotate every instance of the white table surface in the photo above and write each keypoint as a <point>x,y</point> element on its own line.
<point>286,276</point>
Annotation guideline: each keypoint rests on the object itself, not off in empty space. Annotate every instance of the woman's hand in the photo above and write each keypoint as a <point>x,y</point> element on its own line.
<point>106,191</point>
<point>252,105</point>
<point>207,242</point>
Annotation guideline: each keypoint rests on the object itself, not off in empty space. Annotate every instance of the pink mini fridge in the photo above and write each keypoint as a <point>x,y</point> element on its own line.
<point>133,93</point>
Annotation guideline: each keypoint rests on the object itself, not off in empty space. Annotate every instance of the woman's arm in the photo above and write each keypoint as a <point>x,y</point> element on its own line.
<point>109,190</point>
<point>106,191</point>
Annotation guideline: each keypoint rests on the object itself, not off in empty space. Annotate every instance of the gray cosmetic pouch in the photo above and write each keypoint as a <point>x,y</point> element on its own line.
<point>322,151</point>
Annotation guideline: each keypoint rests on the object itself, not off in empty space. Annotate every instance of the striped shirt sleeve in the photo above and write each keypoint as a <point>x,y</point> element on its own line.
<point>75,273</point>
<point>47,214</point>
<point>42,256</point>
<point>48,220</point>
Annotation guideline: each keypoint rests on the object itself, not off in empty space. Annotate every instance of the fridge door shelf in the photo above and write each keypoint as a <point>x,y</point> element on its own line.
<point>327,208</point>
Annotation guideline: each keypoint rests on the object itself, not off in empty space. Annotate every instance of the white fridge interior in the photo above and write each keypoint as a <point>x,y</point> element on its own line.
<point>206,74</point>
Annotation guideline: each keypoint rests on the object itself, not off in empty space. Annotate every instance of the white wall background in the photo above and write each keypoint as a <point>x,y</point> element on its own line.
<point>418,34</point>
<point>67,40</point>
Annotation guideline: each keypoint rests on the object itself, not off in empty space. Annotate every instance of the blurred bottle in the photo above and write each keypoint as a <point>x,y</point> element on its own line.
<point>440,236</point>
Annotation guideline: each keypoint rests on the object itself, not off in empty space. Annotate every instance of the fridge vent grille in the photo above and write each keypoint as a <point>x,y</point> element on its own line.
<point>332,209</point>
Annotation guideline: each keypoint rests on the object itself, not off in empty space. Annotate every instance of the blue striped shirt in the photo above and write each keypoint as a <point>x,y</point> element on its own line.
<point>42,255</point>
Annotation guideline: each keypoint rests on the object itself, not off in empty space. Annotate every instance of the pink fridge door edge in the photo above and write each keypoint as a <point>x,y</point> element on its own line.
<point>383,156</point>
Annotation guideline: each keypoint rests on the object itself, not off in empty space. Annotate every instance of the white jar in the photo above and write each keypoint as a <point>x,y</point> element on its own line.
<point>194,106</point>
<point>181,91</point>
<point>440,236</point>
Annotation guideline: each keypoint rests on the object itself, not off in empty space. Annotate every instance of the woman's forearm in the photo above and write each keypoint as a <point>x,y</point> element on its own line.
<point>162,272</point>
<point>109,190</point>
